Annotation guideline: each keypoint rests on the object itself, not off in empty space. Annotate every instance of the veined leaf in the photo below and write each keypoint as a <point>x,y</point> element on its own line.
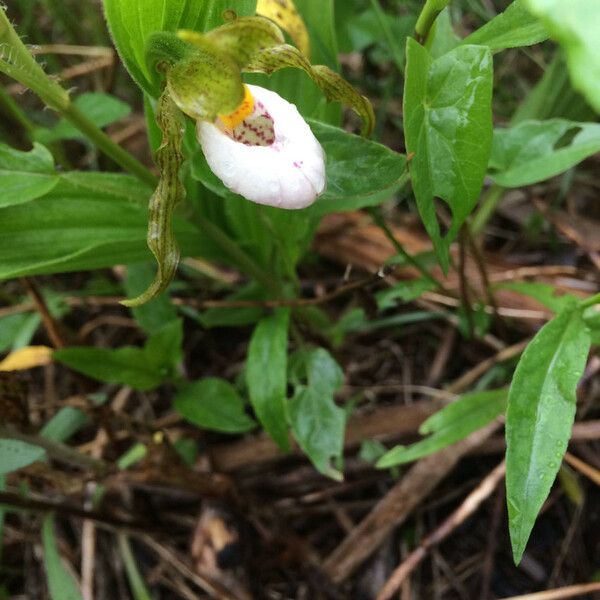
<point>533,151</point>
<point>141,368</point>
<point>25,176</point>
<point>452,423</point>
<point>448,127</point>
<point>266,374</point>
<point>88,221</point>
<point>131,23</point>
<point>513,28</point>
<point>317,422</point>
<point>213,404</point>
<point>541,410</point>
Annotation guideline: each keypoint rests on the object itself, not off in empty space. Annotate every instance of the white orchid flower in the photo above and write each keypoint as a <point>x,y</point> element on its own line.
<point>265,151</point>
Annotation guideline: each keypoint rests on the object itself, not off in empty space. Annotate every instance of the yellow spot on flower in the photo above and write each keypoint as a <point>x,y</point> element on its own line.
<point>242,112</point>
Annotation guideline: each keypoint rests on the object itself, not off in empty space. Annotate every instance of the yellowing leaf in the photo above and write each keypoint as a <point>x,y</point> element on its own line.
<point>27,358</point>
<point>285,14</point>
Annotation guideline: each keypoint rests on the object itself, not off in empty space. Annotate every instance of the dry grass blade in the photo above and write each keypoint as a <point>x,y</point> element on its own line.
<point>397,505</point>
<point>471,503</point>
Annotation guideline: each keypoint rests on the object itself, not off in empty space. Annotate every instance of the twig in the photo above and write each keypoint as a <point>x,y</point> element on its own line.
<point>50,324</point>
<point>560,593</point>
<point>471,503</point>
<point>398,504</point>
<point>585,469</point>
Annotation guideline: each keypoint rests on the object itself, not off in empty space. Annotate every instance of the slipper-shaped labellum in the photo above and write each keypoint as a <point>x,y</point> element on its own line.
<point>265,151</point>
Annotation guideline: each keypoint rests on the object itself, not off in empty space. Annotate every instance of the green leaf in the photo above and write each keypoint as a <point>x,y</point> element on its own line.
<point>575,25</point>
<point>25,176</point>
<point>513,28</point>
<point>131,23</point>
<point>452,423</point>
<point>533,151</point>
<point>61,584</point>
<point>541,409</point>
<point>213,404</point>
<point>141,368</point>
<point>15,454</point>
<point>16,331</point>
<point>169,192</point>
<point>448,127</point>
<point>77,227</point>
<point>317,422</point>
<point>266,374</point>
<point>102,109</point>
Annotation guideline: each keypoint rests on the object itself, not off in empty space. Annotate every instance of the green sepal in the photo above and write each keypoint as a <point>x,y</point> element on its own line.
<point>170,191</point>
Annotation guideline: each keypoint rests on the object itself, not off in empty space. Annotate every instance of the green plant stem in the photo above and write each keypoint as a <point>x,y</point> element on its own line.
<point>15,111</point>
<point>389,36</point>
<point>590,301</point>
<point>489,204</point>
<point>233,250</point>
<point>427,18</point>
<point>103,142</point>
<point>411,260</point>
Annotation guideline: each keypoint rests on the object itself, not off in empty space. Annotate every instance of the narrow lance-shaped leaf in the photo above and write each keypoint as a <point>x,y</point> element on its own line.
<point>170,191</point>
<point>541,410</point>
<point>335,87</point>
<point>285,14</point>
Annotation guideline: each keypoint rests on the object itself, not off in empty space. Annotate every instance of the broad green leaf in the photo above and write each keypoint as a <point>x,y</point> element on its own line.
<point>360,172</point>
<point>213,404</point>
<point>513,28</point>
<point>317,422</point>
<point>61,584</point>
<point>25,176</point>
<point>156,313</point>
<point>102,109</point>
<point>541,409</point>
<point>141,368</point>
<point>131,23</point>
<point>452,423</point>
<point>125,366</point>
<point>169,192</point>
<point>448,128</point>
<point>266,374</point>
<point>533,151</point>
<point>15,454</point>
<point>16,328</point>
<point>76,228</point>
<point>575,25</point>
